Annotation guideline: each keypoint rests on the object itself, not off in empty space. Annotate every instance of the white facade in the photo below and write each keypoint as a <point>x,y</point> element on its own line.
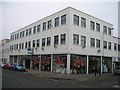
<point>69,28</point>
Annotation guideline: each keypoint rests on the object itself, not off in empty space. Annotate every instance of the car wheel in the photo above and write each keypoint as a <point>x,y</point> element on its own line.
<point>16,69</point>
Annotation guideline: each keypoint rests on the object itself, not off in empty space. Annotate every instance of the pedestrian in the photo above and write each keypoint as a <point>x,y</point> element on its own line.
<point>99,70</point>
<point>95,71</point>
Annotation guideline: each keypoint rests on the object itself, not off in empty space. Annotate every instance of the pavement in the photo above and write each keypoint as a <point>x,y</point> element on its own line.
<point>61,76</point>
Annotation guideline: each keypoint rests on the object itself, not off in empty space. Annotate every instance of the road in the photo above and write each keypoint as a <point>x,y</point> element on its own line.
<point>16,79</point>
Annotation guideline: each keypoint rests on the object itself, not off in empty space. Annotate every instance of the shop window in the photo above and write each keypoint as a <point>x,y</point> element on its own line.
<point>75,39</point>
<point>57,21</point>
<point>83,22</point>
<point>35,63</point>
<point>63,19</point>
<point>76,20</point>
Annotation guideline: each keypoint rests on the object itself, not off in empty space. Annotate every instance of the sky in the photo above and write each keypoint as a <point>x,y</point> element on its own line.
<point>18,14</point>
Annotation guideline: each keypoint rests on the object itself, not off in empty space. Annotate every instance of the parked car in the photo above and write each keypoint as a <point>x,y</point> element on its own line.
<point>116,71</point>
<point>2,64</point>
<point>7,66</point>
<point>18,67</point>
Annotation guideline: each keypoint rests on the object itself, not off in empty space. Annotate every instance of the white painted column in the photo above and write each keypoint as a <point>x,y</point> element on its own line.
<point>40,63</point>
<point>87,66</point>
<point>51,62</point>
<point>68,64</point>
<point>101,60</point>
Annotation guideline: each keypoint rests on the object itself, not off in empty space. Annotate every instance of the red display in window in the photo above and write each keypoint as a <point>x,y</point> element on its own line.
<point>59,61</point>
<point>78,62</point>
<point>46,60</point>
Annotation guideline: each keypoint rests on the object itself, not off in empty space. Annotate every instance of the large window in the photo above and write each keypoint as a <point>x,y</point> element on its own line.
<point>38,43</point>
<point>118,47</point>
<point>48,41</point>
<point>98,27</point>
<point>56,39</point>
<point>109,31</point>
<point>43,42</point>
<point>63,38</point>
<point>49,24</point>
<point>97,43</point>
<point>63,19</point>
<point>34,29</point>
<point>75,39</point>
<point>115,46</point>
<point>83,40</point>
<point>83,22</point>
<point>76,20</point>
<point>30,31</point>
<point>29,44</point>
<point>27,32</point>
<point>109,45</point>
<point>57,21</point>
<point>92,25</point>
<point>38,28</point>
<point>104,29</point>
<point>33,43</point>
<point>92,42</point>
<point>44,26</point>
<point>105,44</point>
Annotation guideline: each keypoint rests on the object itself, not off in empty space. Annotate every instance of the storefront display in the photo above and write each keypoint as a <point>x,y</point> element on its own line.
<point>35,63</point>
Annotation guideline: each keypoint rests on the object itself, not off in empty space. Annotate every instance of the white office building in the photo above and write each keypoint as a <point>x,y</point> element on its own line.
<point>68,41</point>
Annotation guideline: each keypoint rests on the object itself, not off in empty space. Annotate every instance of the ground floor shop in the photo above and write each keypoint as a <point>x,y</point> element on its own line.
<point>65,63</point>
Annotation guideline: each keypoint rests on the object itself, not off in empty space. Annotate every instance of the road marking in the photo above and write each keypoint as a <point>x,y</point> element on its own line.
<point>19,80</point>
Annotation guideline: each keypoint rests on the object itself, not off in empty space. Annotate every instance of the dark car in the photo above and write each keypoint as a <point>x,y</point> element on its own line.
<point>7,66</point>
<point>116,71</point>
<point>18,67</point>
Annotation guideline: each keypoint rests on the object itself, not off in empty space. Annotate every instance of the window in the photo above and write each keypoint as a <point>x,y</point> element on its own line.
<point>98,27</point>
<point>29,44</point>
<point>20,34</point>
<point>75,39</point>
<point>104,29</point>
<point>109,31</point>
<point>92,43</point>
<point>57,21</point>
<point>48,41</point>
<point>115,46</point>
<point>19,46</point>
<point>97,43</point>
<point>30,31</point>
<point>38,43</point>
<point>22,45</point>
<point>16,46</point>
<point>76,20</point>
<point>83,41</point>
<point>118,47</point>
<point>43,42</point>
<point>92,25</point>
<point>49,24</point>
<point>63,19</point>
<point>44,26</point>
<point>105,44</point>
<point>56,39</point>
<point>38,28</point>
<point>63,38</point>
<point>17,35</point>
<point>27,32</point>
<point>26,44</point>
<point>33,43</point>
<point>23,33</point>
<point>83,22</point>
<point>34,29</point>
<point>109,45</point>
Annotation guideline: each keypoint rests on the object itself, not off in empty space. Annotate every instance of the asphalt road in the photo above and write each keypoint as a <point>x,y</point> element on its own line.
<point>16,79</point>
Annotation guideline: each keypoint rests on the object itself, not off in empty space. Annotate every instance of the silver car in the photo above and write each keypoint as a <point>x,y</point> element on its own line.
<point>2,64</point>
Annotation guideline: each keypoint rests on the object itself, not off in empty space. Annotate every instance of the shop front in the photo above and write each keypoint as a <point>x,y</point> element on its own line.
<point>78,64</point>
<point>59,63</point>
<point>35,63</point>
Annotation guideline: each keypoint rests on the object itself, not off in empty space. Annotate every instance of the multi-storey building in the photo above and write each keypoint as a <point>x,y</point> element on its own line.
<point>68,41</point>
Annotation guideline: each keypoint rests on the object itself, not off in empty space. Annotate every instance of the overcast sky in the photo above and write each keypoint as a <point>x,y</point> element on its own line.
<point>16,15</point>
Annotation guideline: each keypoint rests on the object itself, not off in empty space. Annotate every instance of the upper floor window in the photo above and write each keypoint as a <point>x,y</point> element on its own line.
<point>38,43</point>
<point>19,46</point>
<point>44,26</point>
<point>83,41</point>
<point>22,45</point>
<point>17,35</point>
<point>97,43</point>
<point>109,31</point>
<point>29,44</point>
<point>63,38</point>
<point>26,44</point>
<point>57,21</point>
<point>98,27</point>
<point>33,43</point>
<point>48,41</point>
<point>75,38</point>
<point>27,32</point>
<point>43,42</point>
<point>118,47</point>
<point>105,44</point>
<point>109,45</point>
<point>115,46</point>
<point>20,34</point>
<point>23,33</point>
<point>56,39</point>
<point>76,20</point>
<point>34,29</point>
<point>63,19</point>
<point>92,42</point>
<point>49,24</point>
<point>104,29</point>
<point>30,31</point>
<point>83,22</point>
<point>92,25</point>
<point>38,28</point>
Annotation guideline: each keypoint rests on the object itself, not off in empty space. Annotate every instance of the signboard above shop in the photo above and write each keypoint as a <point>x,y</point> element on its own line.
<point>30,50</point>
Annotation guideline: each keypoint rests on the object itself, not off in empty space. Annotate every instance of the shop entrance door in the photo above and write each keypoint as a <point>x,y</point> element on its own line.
<point>27,64</point>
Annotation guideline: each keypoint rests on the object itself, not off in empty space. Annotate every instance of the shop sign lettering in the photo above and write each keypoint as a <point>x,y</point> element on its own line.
<point>59,61</point>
